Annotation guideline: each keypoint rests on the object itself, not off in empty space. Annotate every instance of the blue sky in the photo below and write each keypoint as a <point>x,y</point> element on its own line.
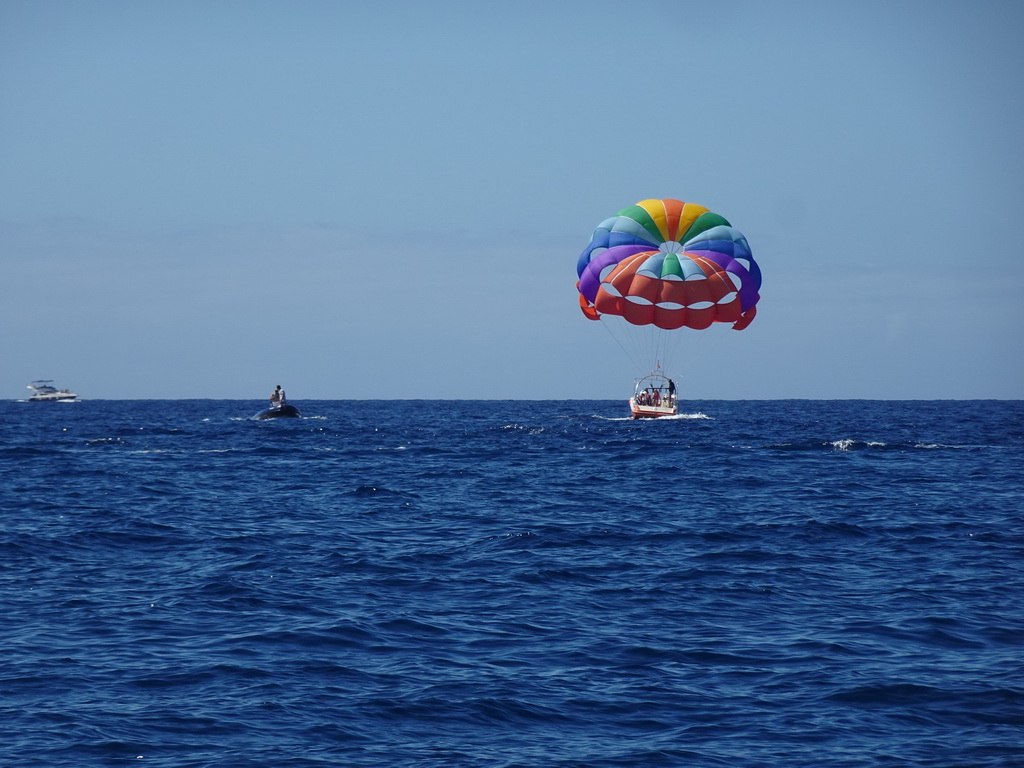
<point>357,199</point>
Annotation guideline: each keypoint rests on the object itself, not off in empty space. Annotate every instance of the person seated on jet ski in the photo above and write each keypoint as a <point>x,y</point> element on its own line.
<point>277,400</point>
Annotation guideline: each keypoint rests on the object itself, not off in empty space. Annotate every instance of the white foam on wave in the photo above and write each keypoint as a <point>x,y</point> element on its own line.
<point>675,417</point>
<point>690,416</point>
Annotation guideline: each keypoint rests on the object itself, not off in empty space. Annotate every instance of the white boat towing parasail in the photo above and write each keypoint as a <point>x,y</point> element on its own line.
<point>653,396</point>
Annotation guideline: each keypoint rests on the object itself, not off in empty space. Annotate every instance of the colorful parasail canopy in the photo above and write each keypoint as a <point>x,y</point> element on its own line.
<point>669,264</point>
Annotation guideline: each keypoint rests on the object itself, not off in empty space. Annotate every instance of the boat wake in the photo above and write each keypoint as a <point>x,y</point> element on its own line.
<point>674,417</point>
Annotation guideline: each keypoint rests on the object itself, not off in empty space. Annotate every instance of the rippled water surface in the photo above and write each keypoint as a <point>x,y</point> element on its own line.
<point>498,584</point>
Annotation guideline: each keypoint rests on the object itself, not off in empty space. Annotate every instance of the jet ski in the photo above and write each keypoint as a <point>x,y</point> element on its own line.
<point>286,411</point>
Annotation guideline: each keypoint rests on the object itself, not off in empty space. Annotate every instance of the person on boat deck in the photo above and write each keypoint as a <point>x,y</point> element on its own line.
<point>277,399</point>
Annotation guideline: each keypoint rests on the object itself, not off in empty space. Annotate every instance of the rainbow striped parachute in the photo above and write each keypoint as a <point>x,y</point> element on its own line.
<point>669,264</point>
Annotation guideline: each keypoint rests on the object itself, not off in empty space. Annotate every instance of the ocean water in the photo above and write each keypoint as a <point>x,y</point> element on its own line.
<point>512,584</point>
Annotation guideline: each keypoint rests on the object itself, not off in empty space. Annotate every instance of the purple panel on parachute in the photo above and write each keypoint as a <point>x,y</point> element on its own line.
<point>590,278</point>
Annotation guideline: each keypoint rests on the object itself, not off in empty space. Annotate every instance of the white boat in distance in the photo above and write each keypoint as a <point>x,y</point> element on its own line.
<point>43,391</point>
<point>653,396</point>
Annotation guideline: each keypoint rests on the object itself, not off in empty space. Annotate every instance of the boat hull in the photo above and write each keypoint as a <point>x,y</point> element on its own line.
<point>650,411</point>
<point>284,412</point>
